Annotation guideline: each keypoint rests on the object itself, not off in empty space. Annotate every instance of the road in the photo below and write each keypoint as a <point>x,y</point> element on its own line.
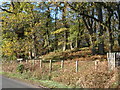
<point>11,83</point>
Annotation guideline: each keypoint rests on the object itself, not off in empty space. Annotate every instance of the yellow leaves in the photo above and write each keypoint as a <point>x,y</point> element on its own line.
<point>60,43</point>
<point>7,48</point>
<point>59,30</point>
<point>26,33</point>
<point>37,24</point>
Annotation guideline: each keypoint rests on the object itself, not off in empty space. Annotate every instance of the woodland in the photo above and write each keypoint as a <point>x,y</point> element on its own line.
<point>32,29</point>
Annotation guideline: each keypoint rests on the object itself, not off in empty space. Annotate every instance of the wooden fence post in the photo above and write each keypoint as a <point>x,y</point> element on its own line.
<point>26,61</point>
<point>20,61</point>
<point>111,57</point>
<point>33,61</point>
<point>77,66</point>
<point>62,64</point>
<point>114,60</point>
<point>117,59</point>
<point>108,60</point>
<point>40,63</point>
<point>96,64</point>
<point>50,67</point>
<point>11,61</point>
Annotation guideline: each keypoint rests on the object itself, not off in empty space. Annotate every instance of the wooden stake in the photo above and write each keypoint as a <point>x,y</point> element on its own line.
<point>96,64</point>
<point>20,61</point>
<point>33,61</point>
<point>40,63</point>
<point>50,67</point>
<point>26,61</point>
<point>76,66</point>
<point>62,64</point>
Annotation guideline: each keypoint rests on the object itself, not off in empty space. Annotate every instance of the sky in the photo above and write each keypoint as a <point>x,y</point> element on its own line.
<point>3,1</point>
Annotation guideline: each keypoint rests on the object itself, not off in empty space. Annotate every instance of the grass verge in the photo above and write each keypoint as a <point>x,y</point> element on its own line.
<point>36,82</point>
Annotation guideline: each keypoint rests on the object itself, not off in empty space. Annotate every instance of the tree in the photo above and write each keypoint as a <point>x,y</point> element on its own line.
<point>33,29</point>
<point>66,33</point>
<point>101,41</point>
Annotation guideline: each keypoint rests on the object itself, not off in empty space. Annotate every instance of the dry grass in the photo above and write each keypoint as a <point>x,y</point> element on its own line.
<point>82,55</point>
<point>86,77</point>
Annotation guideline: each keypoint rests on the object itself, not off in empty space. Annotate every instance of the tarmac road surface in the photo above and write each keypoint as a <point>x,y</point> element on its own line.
<point>8,83</point>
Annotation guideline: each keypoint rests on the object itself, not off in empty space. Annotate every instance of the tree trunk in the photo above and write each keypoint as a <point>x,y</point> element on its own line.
<point>92,38</point>
<point>71,45</point>
<point>34,51</point>
<point>119,14</point>
<point>119,39</point>
<point>78,42</point>
<point>92,41</point>
<point>119,22</point>
<point>111,42</point>
<point>56,42</point>
<point>47,30</point>
<point>56,38</point>
<point>30,53</point>
<point>78,36</point>
<point>101,44</point>
<point>65,46</point>
<point>66,33</point>
<point>88,41</point>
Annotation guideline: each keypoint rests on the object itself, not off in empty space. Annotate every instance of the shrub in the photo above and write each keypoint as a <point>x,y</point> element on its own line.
<point>9,67</point>
<point>20,68</point>
<point>95,79</point>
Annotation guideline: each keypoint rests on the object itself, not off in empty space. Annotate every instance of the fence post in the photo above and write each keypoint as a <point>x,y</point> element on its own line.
<point>11,61</point>
<point>26,61</point>
<point>20,61</point>
<point>50,67</point>
<point>117,57</point>
<point>108,60</point>
<point>111,60</point>
<point>77,66</point>
<point>114,60</point>
<point>33,61</point>
<point>40,63</point>
<point>96,64</point>
<point>62,64</point>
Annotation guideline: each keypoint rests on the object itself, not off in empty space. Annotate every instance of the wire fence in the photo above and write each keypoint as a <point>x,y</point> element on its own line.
<point>74,66</point>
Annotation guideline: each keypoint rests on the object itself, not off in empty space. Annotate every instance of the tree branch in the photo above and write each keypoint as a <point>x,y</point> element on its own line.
<point>6,10</point>
<point>83,14</point>
<point>87,16</point>
<point>12,4</point>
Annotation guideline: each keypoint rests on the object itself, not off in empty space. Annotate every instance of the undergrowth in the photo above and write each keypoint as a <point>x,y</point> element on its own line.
<point>85,78</point>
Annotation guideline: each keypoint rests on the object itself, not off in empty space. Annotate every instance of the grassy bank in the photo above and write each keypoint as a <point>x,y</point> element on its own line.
<point>86,77</point>
<point>34,81</point>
